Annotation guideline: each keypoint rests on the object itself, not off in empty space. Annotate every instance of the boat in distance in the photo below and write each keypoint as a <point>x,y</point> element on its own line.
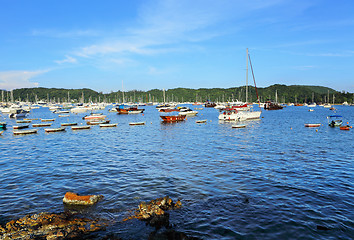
<point>105,125</point>
<point>41,124</point>
<point>60,129</point>
<point>20,126</point>
<point>122,109</point>
<point>80,127</point>
<point>136,123</point>
<point>68,124</point>
<point>201,121</point>
<point>170,119</point>
<point>24,132</point>
<point>312,124</point>
<point>238,126</point>
<point>48,120</point>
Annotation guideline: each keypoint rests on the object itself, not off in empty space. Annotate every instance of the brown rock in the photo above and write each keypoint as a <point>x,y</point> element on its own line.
<point>154,208</point>
<point>49,226</point>
<point>74,199</point>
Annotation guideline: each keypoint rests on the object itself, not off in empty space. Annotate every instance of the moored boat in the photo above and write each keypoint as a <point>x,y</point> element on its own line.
<point>97,122</point>
<point>18,113</point>
<point>238,126</point>
<point>68,124</point>
<point>312,124</point>
<point>272,106</point>
<point>20,126</point>
<point>3,125</point>
<point>201,121</point>
<point>173,118</point>
<point>122,109</point>
<point>335,121</point>
<point>23,121</point>
<point>48,120</point>
<point>136,123</point>
<point>347,127</point>
<point>94,116</point>
<point>104,125</point>
<point>23,132</point>
<point>187,112</point>
<point>80,127</point>
<point>60,129</point>
<point>41,124</point>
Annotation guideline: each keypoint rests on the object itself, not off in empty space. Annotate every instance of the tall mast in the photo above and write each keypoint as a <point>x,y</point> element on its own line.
<point>123,91</point>
<point>247,75</point>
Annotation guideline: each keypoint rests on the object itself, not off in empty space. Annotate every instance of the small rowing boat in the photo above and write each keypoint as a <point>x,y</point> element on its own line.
<point>238,126</point>
<point>68,124</point>
<point>23,121</point>
<point>1,133</point>
<point>41,124</point>
<point>201,121</point>
<point>108,125</point>
<point>20,126</point>
<point>97,122</point>
<point>60,129</point>
<point>24,132</point>
<point>80,127</point>
<point>136,123</point>
<point>347,127</point>
<point>48,120</point>
<point>64,115</point>
<point>312,124</point>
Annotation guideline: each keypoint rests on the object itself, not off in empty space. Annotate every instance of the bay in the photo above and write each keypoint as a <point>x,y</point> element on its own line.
<point>274,179</point>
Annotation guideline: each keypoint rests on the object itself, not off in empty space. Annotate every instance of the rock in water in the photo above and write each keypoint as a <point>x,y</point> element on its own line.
<point>154,208</point>
<point>50,226</point>
<point>74,199</point>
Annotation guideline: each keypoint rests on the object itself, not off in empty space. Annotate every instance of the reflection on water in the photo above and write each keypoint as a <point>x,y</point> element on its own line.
<point>274,179</point>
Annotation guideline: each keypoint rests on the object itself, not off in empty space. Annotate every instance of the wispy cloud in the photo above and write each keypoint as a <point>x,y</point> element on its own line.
<point>68,59</point>
<point>19,79</point>
<point>165,25</point>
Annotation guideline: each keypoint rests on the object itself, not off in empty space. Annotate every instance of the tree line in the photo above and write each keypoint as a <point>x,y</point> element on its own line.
<point>283,93</point>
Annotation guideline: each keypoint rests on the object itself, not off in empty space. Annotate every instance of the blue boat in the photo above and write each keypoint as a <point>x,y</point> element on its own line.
<point>335,121</point>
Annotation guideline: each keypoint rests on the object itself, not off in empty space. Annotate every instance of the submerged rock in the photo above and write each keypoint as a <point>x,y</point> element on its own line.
<point>154,208</point>
<point>50,226</point>
<point>74,199</point>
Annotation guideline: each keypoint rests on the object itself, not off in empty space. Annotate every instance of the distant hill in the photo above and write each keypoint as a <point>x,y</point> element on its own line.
<point>293,93</point>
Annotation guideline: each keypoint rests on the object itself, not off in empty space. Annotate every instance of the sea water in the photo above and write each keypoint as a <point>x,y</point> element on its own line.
<point>274,179</point>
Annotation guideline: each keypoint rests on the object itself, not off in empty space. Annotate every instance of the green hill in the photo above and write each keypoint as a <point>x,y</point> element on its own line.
<point>293,93</point>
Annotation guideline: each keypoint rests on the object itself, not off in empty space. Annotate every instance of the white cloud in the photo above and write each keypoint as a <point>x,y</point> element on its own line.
<point>19,79</point>
<point>165,25</point>
<point>68,59</point>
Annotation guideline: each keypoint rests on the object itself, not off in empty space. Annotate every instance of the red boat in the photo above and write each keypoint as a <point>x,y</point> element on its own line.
<point>345,127</point>
<point>173,118</point>
<point>168,110</point>
<point>129,110</point>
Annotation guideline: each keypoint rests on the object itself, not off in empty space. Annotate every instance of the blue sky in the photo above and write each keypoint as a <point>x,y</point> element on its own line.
<point>183,43</point>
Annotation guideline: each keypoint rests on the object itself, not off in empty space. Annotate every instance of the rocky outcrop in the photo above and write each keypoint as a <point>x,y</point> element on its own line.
<point>154,208</point>
<point>74,199</point>
<point>50,226</point>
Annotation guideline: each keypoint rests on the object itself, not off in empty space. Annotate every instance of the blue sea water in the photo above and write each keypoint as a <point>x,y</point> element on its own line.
<point>274,179</point>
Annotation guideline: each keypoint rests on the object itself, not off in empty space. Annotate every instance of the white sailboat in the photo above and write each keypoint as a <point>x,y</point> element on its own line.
<point>233,114</point>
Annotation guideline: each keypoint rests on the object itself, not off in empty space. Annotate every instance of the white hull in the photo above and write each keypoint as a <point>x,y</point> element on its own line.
<point>240,116</point>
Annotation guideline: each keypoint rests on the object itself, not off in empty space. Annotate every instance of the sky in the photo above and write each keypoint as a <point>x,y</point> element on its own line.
<point>116,45</point>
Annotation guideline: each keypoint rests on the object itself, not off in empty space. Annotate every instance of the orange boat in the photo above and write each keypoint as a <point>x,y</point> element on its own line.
<point>173,118</point>
<point>345,127</point>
